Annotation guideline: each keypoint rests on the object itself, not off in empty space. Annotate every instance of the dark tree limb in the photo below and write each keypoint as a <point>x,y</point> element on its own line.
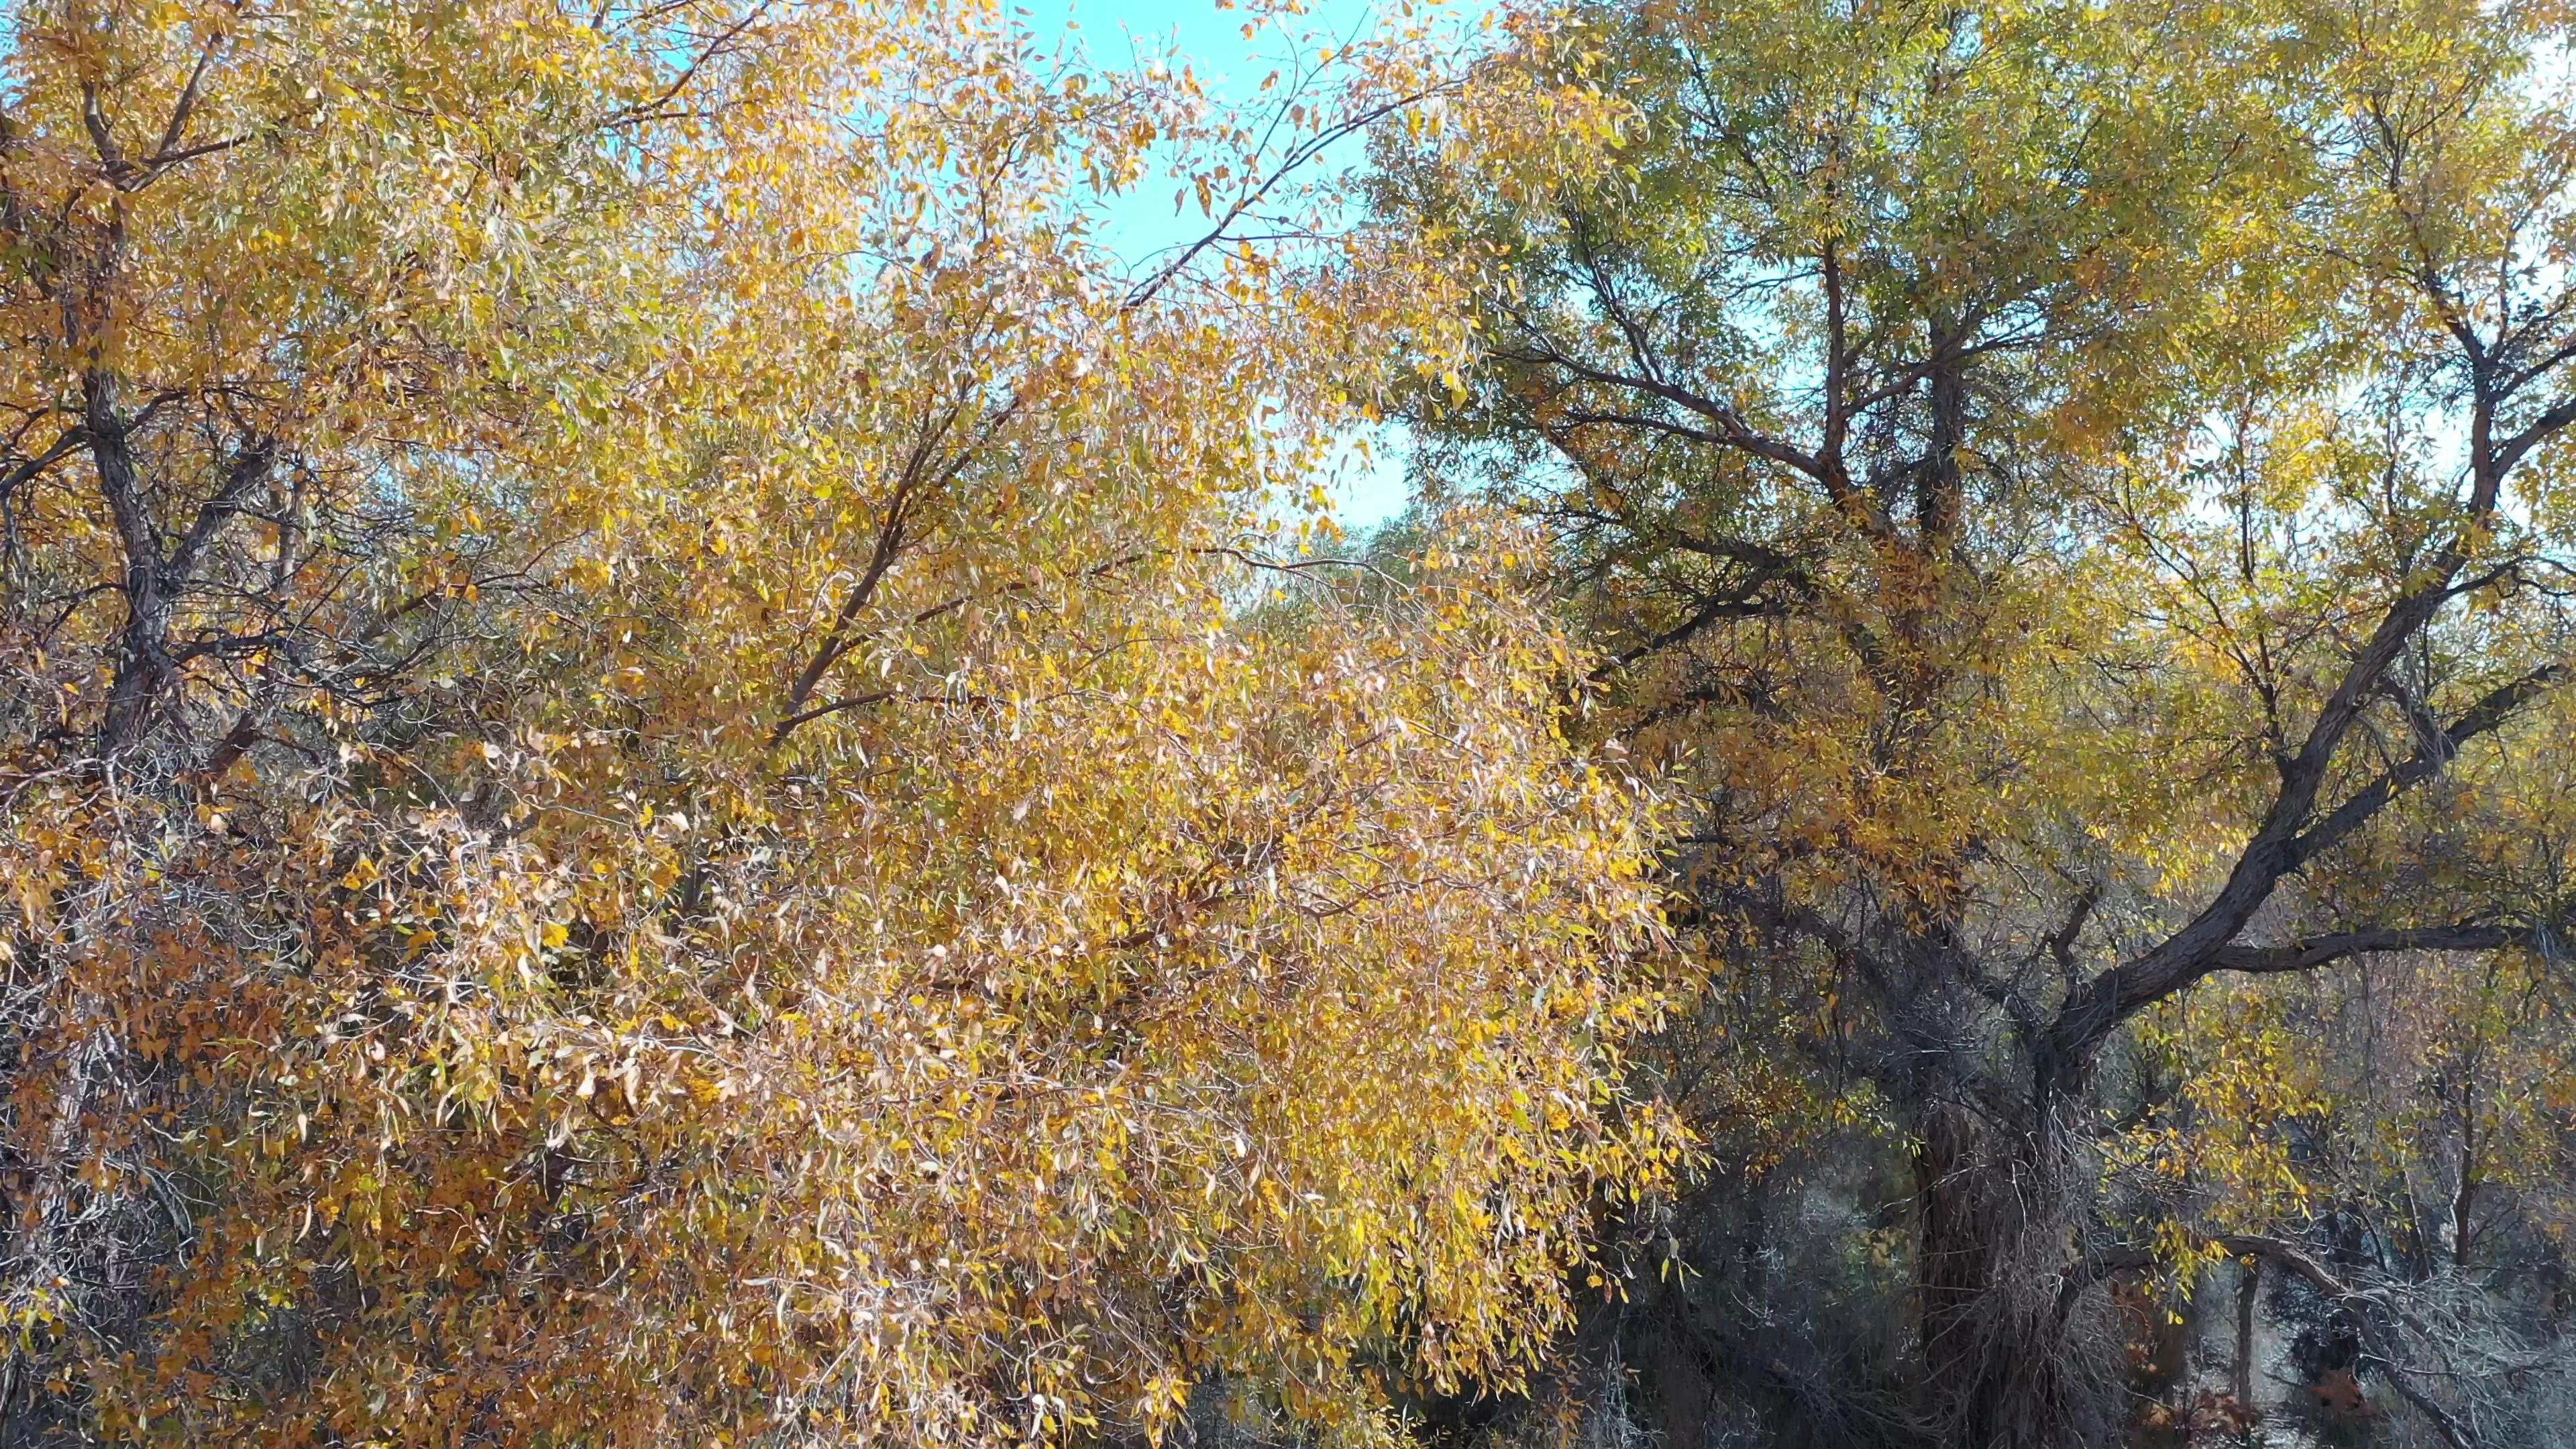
<point>2309,953</point>
<point>1743,605</point>
<point>2489,712</point>
<point>2098,1007</point>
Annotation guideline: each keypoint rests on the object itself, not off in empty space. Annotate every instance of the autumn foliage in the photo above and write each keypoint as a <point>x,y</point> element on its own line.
<point>676,771</point>
<point>678,766</point>
<point>2074,496</point>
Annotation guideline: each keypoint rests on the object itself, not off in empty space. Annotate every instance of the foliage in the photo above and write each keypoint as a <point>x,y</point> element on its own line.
<point>2071,493</point>
<point>656,789</point>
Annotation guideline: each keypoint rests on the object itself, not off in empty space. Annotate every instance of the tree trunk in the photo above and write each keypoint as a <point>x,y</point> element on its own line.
<point>1995,1218</point>
<point>2250,1279</point>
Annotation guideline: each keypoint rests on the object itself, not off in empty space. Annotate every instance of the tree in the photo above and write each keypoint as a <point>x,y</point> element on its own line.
<point>651,790</point>
<point>2071,493</point>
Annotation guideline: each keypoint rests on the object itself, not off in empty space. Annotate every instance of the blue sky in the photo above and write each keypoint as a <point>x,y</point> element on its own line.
<point>1369,483</point>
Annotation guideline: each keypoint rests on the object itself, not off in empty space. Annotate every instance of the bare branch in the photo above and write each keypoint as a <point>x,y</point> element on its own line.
<point>1711,610</point>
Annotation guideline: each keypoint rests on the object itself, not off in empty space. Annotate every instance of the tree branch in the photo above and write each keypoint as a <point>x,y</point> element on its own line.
<point>1739,605</point>
<point>32,468</point>
<point>1296,157</point>
<point>2366,1313</point>
<point>914,484</point>
<point>1732,430</point>
<point>2485,715</point>
<point>2541,428</point>
<point>652,109</point>
<point>2096,1009</point>
<point>2309,953</point>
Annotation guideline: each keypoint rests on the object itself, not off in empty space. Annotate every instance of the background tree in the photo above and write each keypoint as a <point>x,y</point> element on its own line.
<point>2070,491</point>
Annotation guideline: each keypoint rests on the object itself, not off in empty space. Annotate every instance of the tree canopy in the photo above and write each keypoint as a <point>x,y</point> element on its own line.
<point>676,766</point>
<point>2072,495</point>
<point>667,779</point>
